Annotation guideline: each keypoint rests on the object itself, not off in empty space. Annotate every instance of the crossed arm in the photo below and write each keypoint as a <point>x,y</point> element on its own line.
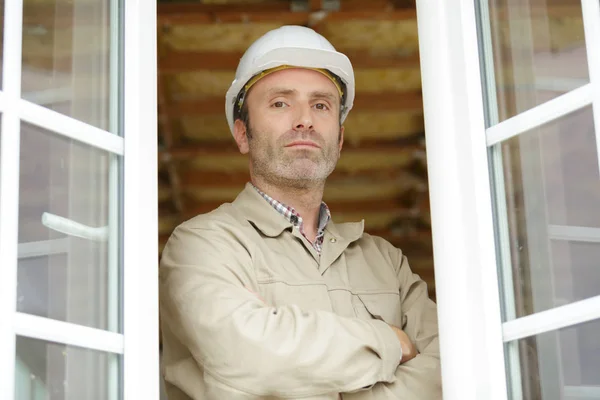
<point>286,351</point>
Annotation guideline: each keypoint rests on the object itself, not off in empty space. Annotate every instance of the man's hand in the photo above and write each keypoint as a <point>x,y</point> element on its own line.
<point>409,351</point>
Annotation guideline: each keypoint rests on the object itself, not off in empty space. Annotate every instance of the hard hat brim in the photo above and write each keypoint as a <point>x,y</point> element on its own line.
<point>301,57</point>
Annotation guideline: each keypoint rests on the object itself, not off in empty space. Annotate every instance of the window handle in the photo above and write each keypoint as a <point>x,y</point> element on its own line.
<point>72,228</point>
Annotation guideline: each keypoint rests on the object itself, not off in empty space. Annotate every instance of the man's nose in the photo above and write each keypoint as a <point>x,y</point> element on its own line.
<point>303,119</point>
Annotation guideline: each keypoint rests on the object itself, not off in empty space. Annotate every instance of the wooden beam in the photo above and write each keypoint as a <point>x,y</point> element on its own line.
<point>197,7</point>
<point>283,18</point>
<point>274,6</point>
<point>198,13</point>
<point>44,15</point>
<point>198,18</point>
<point>315,5</point>
<point>51,16</point>
<point>266,11</point>
<point>409,101</point>
<point>182,61</point>
<point>176,62</point>
<point>549,7</point>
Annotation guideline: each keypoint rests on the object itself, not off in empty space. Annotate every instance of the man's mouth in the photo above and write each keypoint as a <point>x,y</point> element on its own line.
<point>303,143</point>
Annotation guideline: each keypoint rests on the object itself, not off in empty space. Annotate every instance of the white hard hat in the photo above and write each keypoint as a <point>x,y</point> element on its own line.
<point>294,46</point>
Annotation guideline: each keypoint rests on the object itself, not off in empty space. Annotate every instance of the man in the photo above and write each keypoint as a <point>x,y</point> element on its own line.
<point>266,297</point>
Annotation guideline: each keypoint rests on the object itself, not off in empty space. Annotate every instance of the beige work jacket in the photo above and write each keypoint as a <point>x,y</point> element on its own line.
<point>250,310</point>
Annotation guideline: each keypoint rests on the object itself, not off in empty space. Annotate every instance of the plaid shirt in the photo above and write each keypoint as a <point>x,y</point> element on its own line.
<point>292,216</point>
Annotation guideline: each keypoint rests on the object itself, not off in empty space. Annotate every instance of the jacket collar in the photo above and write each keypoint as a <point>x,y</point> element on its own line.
<point>267,220</point>
<point>347,231</point>
<point>260,213</point>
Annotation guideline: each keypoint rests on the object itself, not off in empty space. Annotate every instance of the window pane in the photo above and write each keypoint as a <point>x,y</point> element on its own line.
<point>552,193</point>
<point>45,370</point>
<point>68,231</point>
<point>539,52</point>
<point>70,58</point>
<point>562,364</point>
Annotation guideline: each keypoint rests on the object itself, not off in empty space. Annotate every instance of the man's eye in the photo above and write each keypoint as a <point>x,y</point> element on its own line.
<point>321,106</point>
<point>279,104</point>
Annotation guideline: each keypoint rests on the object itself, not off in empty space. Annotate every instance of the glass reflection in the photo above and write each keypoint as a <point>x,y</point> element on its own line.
<point>561,364</point>
<point>70,59</point>
<point>539,52</point>
<point>69,232</point>
<point>552,184</point>
<point>46,370</point>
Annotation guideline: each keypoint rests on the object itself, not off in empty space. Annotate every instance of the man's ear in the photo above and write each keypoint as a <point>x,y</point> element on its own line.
<point>341,138</point>
<point>239,134</point>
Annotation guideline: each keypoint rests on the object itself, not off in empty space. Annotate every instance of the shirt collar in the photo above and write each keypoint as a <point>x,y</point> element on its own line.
<point>260,214</point>
<point>293,216</point>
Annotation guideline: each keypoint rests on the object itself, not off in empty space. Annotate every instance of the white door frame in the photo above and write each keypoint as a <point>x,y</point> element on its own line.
<point>140,236</point>
<point>461,206</point>
<point>137,144</point>
<point>472,334</point>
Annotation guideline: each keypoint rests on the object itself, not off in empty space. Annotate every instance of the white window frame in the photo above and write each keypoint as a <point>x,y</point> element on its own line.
<point>472,335</point>
<point>139,342</point>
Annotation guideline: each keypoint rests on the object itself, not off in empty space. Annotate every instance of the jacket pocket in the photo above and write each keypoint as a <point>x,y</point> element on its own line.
<point>383,306</point>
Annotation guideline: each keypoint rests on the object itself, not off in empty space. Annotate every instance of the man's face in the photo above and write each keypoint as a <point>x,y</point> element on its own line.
<point>294,136</point>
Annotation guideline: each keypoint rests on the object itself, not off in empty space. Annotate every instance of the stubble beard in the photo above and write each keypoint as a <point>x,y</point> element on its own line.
<point>292,168</point>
